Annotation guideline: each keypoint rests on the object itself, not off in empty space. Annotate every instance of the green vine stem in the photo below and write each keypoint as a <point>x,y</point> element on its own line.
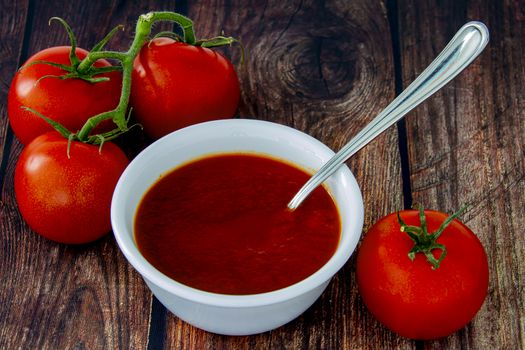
<point>425,242</point>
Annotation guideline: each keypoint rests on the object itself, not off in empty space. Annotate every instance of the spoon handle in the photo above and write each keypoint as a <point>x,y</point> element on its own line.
<point>464,47</point>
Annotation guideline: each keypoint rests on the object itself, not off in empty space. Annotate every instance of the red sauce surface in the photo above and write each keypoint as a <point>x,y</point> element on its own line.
<point>220,224</point>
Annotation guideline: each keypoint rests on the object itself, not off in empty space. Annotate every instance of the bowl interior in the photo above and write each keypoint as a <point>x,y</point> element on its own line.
<point>234,136</point>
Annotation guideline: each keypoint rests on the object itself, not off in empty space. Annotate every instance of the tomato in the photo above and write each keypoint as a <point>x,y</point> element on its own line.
<point>67,199</point>
<point>412,298</point>
<point>67,101</point>
<point>175,85</point>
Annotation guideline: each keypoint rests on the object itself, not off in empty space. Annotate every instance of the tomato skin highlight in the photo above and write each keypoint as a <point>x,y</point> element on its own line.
<point>175,85</point>
<point>67,200</point>
<point>70,101</point>
<point>411,298</point>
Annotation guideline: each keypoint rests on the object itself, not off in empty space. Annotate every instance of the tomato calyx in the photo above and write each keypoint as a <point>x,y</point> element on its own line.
<point>425,242</point>
<point>73,71</point>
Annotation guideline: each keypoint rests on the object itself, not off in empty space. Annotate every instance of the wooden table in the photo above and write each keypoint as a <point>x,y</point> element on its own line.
<point>326,68</point>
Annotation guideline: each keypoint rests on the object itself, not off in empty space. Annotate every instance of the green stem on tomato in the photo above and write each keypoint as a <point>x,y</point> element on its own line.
<point>184,22</point>
<point>73,58</point>
<point>105,40</point>
<point>425,242</point>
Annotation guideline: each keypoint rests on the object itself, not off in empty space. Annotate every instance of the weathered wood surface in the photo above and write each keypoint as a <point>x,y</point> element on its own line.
<point>326,68</point>
<point>467,145</point>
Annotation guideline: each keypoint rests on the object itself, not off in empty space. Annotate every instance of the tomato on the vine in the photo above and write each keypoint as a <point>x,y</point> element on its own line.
<point>420,293</point>
<point>175,84</point>
<point>69,102</point>
<point>67,198</point>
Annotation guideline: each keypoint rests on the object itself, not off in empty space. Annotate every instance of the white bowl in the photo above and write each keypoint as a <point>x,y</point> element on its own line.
<point>234,314</point>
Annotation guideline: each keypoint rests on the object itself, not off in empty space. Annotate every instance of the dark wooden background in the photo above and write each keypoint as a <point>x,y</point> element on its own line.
<point>326,68</point>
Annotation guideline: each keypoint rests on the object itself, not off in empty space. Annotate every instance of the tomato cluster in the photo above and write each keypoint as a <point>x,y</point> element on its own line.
<point>64,183</point>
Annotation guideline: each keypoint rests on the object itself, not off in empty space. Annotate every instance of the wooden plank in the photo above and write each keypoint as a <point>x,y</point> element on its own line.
<point>325,69</point>
<point>467,145</point>
<point>12,32</point>
<point>56,296</point>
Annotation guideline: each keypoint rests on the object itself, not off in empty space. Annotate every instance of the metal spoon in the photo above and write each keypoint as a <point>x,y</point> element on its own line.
<point>464,47</point>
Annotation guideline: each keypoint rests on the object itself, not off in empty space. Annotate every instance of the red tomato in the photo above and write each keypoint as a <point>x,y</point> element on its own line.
<point>70,101</point>
<point>66,199</point>
<point>410,297</point>
<point>175,85</point>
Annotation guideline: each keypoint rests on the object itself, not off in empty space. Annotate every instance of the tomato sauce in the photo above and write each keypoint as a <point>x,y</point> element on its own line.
<point>221,224</point>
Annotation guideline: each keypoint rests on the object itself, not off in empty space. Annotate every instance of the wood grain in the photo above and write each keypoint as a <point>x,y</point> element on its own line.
<point>57,296</point>
<point>467,145</point>
<point>11,30</point>
<point>324,68</point>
